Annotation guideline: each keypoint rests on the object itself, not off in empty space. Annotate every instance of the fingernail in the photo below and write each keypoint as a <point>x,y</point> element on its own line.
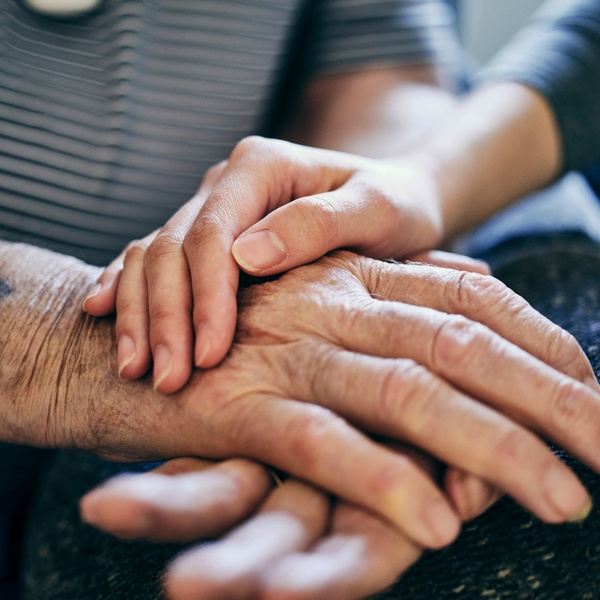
<point>569,498</point>
<point>162,364</point>
<point>259,251</point>
<point>93,292</point>
<point>202,344</point>
<point>126,352</point>
<point>443,523</point>
<point>584,514</point>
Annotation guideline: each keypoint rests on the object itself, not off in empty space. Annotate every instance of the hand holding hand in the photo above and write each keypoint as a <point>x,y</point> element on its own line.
<point>271,207</point>
<point>331,334</point>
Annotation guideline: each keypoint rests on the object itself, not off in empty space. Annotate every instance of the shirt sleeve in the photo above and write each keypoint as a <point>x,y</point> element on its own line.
<point>558,54</point>
<point>351,34</point>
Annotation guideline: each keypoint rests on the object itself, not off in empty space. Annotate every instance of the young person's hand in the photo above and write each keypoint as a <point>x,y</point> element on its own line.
<point>271,207</point>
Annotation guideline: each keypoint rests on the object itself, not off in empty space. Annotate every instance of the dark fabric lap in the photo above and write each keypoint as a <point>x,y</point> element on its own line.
<point>505,553</point>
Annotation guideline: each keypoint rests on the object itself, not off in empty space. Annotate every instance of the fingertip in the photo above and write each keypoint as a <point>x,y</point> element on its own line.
<point>435,526</point>
<point>92,294</point>
<point>469,494</point>
<point>121,516</point>
<point>444,525</point>
<point>100,301</point>
<point>88,508</point>
<point>210,348</point>
<point>592,382</point>
<point>180,587</point>
<point>208,572</point>
<point>133,358</point>
<point>171,372</point>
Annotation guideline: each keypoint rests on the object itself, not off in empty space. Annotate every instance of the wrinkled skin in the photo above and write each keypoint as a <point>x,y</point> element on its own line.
<point>314,373</point>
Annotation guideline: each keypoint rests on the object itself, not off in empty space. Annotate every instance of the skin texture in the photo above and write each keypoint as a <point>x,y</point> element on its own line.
<point>333,550</point>
<point>310,347</point>
<point>273,206</point>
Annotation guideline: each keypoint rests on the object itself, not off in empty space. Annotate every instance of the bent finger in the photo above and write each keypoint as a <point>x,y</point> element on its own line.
<point>183,500</point>
<point>314,444</point>
<point>361,556</point>
<point>408,402</point>
<point>470,495</point>
<point>292,518</point>
<point>102,298</point>
<point>488,301</point>
<point>261,175</point>
<point>169,311</point>
<point>477,360</point>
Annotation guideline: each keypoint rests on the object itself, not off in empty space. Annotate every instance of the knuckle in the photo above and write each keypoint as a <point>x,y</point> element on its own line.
<point>457,342</point>
<point>564,352</point>
<point>311,434</point>
<point>404,395</point>
<point>134,252</point>
<point>321,220</point>
<point>127,306</point>
<point>208,223</point>
<point>166,311</point>
<point>390,215</point>
<point>320,364</point>
<point>568,406</point>
<point>166,243</point>
<point>405,473</point>
<point>212,173</point>
<point>482,293</point>
<point>513,450</point>
<point>250,146</point>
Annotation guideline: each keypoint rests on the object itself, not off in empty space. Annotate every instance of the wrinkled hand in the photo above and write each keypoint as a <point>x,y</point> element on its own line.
<point>297,545</point>
<point>315,365</point>
<point>177,295</point>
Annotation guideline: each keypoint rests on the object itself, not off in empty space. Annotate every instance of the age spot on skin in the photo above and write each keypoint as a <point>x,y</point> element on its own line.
<point>6,288</point>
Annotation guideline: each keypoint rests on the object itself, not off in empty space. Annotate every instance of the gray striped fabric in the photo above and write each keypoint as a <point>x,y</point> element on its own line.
<point>108,123</point>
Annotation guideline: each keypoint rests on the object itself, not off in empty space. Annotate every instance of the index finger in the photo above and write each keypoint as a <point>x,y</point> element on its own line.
<point>260,176</point>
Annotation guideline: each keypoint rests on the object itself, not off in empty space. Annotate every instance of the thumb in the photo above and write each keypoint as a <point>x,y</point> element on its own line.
<point>307,228</point>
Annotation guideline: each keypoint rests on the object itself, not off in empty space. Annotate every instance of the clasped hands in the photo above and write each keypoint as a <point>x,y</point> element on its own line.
<point>340,370</point>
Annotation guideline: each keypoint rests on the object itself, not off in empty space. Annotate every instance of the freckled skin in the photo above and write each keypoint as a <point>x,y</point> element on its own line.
<point>6,288</point>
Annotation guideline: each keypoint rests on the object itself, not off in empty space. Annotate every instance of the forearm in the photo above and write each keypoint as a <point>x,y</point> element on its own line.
<point>58,365</point>
<point>38,320</point>
<point>376,113</point>
<point>501,143</point>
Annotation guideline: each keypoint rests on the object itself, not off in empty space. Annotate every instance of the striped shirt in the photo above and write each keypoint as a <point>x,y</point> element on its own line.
<point>558,54</point>
<point>107,123</point>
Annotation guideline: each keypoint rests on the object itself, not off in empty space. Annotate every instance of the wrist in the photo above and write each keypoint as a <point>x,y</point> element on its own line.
<point>501,143</point>
<point>38,326</point>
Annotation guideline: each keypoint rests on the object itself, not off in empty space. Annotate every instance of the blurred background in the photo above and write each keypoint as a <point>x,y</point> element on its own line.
<point>486,25</point>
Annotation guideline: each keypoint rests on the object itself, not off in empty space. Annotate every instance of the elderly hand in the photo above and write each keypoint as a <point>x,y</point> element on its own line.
<point>177,293</point>
<point>315,371</point>
<point>299,544</point>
